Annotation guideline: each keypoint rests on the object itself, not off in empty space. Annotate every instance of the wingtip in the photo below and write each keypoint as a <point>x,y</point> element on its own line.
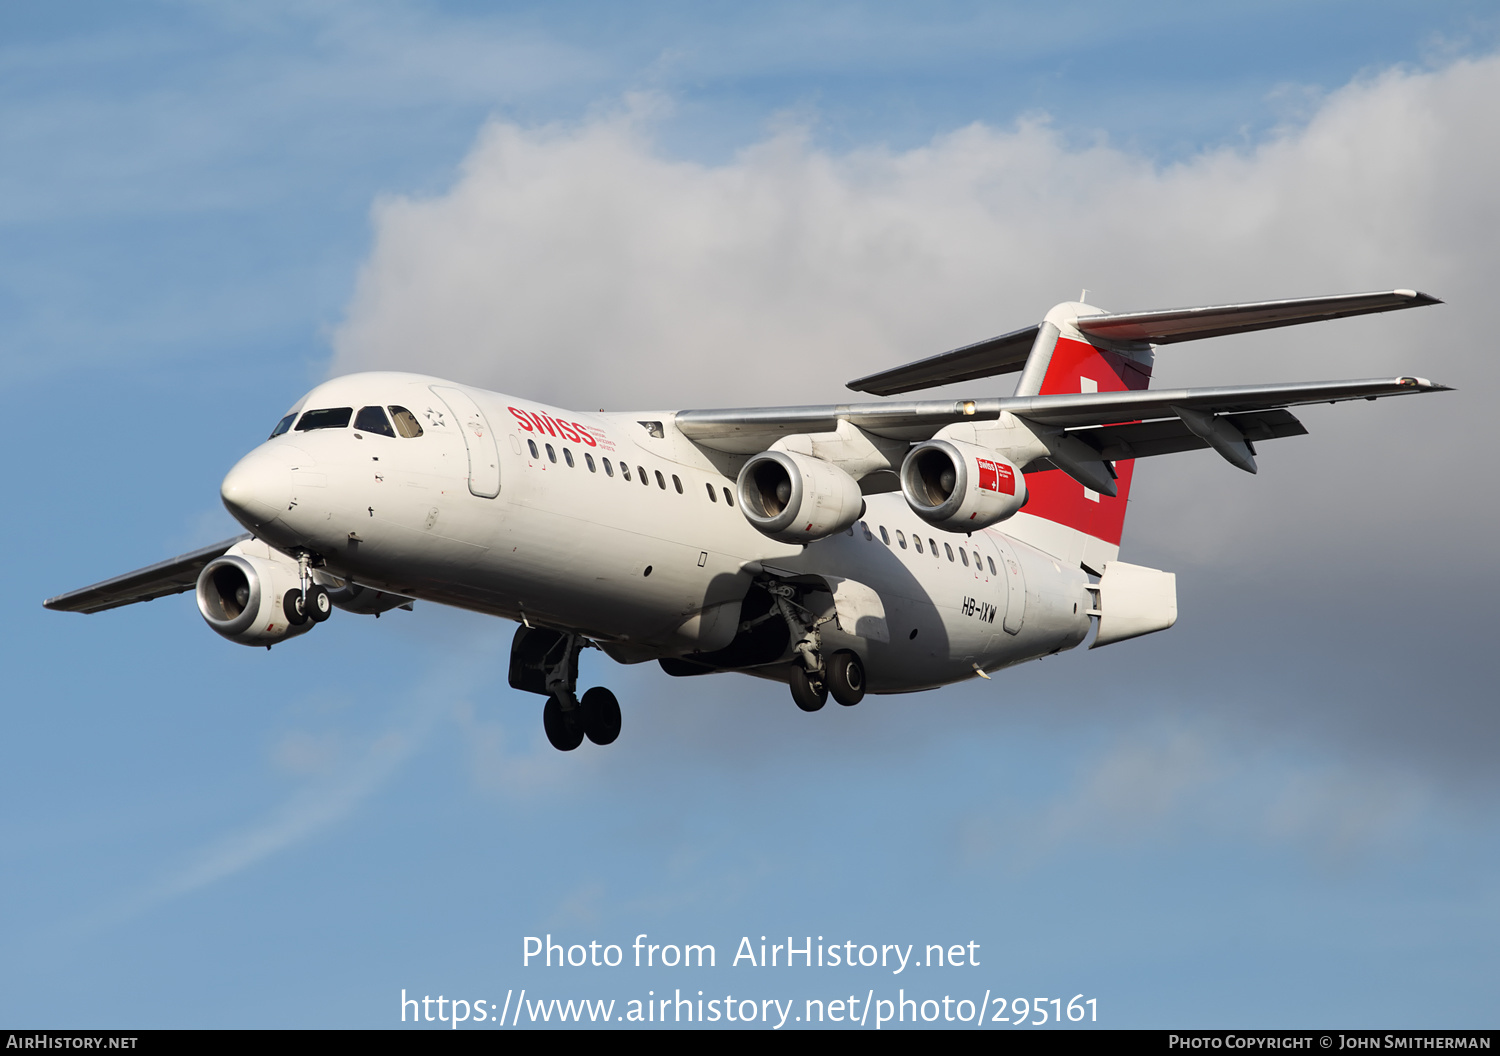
<point>1424,384</point>
<point>1417,298</point>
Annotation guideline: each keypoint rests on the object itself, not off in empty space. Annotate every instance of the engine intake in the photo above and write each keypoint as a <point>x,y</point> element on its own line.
<point>959,487</point>
<point>242,597</point>
<point>795,498</point>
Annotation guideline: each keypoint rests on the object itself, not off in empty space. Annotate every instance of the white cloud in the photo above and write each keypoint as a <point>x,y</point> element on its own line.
<point>576,264</point>
<point>1189,783</point>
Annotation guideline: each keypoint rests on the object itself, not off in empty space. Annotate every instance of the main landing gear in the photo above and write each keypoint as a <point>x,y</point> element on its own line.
<point>815,677</point>
<point>546,661</point>
<point>842,677</point>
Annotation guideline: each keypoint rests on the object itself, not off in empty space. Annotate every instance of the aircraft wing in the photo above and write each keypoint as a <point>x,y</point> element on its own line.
<point>746,431</point>
<point>144,584</point>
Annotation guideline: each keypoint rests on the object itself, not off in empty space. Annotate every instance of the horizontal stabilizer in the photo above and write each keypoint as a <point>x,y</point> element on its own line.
<point>983,359</point>
<point>144,584</point>
<point>1008,352</point>
<point>1192,324</point>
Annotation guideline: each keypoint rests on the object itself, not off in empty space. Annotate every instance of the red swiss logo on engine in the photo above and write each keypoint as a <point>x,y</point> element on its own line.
<point>996,476</point>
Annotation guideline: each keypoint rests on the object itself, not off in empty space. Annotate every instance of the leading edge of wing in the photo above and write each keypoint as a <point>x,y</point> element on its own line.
<point>144,584</point>
<point>1088,408</point>
<point>1192,324</point>
<point>745,431</point>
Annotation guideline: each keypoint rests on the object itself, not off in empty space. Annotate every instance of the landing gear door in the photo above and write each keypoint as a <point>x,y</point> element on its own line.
<point>1015,587</point>
<point>479,439</point>
<point>859,609</point>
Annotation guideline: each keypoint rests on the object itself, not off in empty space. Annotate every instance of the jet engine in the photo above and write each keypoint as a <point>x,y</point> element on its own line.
<point>246,597</point>
<point>358,598</point>
<point>795,498</point>
<point>959,487</point>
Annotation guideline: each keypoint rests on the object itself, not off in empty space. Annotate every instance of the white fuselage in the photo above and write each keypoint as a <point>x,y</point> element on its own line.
<point>649,557</point>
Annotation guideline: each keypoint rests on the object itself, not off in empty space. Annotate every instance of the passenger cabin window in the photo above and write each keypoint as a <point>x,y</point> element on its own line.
<point>283,425</point>
<point>568,457</point>
<point>885,536</point>
<point>406,422</point>
<point>373,420</point>
<point>677,483</point>
<point>916,541</point>
<point>645,480</point>
<point>728,498</point>
<point>661,481</point>
<point>551,454</point>
<point>900,539</point>
<point>588,460</point>
<point>713,496</point>
<point>964,554</point>
<point>328,418</point>
<point>534,452</point>
<point>609,470</point>
<point>624,471</point>
<point>949,551</point>
<point>991,562</point>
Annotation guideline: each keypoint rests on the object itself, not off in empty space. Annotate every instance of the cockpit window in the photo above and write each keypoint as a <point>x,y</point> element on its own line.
<point>283,425</point>
<point>328,418</point>
<point>372,420</point>
<point>406,422</point>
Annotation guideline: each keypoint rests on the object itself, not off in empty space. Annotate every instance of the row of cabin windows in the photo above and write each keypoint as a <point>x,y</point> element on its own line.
<point>609,470</point>
<point>369,420</point>
<point>916,542</point>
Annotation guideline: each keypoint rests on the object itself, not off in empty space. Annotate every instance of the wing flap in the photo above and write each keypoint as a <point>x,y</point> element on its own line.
<point>1168,436</point>
<point>1192,324</point>
<point>144,584</point>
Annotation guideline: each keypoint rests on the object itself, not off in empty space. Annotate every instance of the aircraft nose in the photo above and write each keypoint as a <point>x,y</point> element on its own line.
<point>257,490</point>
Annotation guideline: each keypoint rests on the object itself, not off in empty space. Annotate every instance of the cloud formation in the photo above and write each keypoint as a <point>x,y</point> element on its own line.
<point>581,246</point>
<point>580,265</point>
<point>577,264</point>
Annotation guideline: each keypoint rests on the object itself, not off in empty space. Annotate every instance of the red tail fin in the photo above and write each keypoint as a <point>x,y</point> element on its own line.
<point>1078,366</point>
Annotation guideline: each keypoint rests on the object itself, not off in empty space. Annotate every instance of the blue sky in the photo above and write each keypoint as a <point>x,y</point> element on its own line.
<point>1279,813</point>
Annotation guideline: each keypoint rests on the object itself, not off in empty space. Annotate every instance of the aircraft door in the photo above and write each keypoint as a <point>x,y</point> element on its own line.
<point>1015,585</point>
<point>479,440</point>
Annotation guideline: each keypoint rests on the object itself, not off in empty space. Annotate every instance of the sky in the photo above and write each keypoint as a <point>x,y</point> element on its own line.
<point>1279,813</point>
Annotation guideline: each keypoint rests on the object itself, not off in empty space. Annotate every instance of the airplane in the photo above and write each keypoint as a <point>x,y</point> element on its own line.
<point>880,547</point>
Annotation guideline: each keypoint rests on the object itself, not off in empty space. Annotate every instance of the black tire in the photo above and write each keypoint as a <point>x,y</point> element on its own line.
<point>846,678</point>
<point>291,608</point>
<point>809,693</point>
<point>562,733</point>
<point>319,605</point>
<point>601,716</point>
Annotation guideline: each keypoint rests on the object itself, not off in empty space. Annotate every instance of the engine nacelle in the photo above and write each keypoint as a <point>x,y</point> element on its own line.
<point>358,598</point>
<point>795,498</point>
<point>959,487</point>
<point>242,594</point>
